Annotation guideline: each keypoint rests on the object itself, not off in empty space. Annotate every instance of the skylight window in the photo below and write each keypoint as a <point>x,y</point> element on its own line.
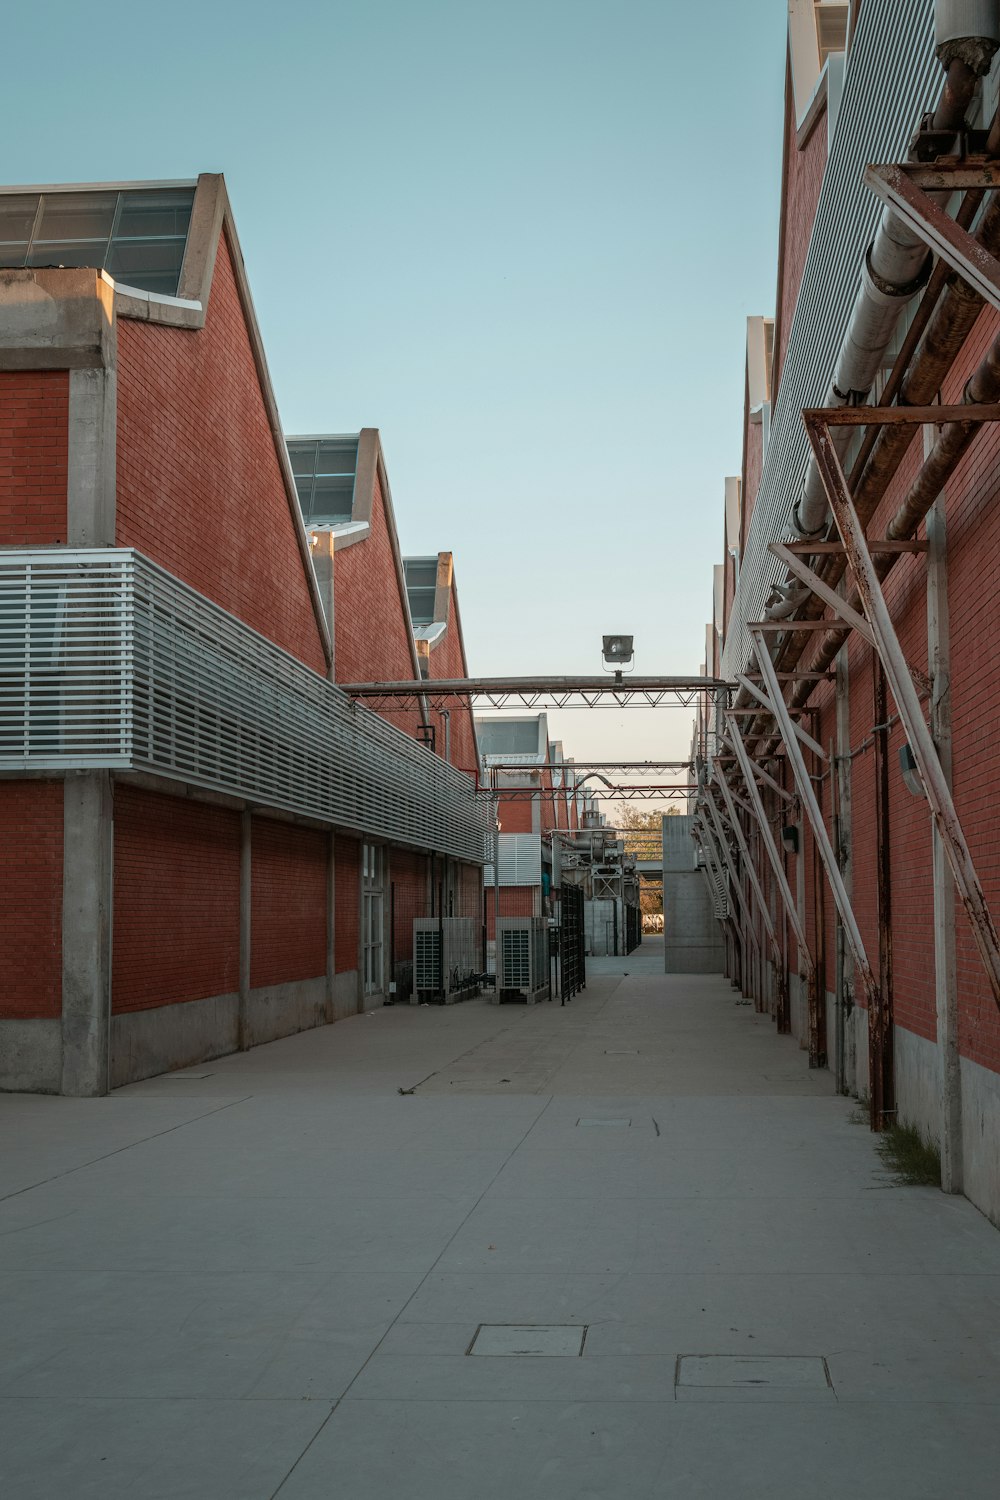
<point>421,586</point>
<point>324,471</point>
<point>137,235</point>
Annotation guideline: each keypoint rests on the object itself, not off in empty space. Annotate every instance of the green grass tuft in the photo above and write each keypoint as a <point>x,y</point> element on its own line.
<point>911,1158</point>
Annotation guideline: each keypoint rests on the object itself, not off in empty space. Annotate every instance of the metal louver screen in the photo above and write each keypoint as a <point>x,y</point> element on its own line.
<point>106,660</point>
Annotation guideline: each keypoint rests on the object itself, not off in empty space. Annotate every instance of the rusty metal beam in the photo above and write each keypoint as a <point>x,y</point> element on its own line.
<point>836,549</point>
<point>807,796</point>
<point>788,627</point>
<point>956,174</point>
<point>902,416</point>
<point>908,703</point>
<point>938,230</point>
<point>780,977</point>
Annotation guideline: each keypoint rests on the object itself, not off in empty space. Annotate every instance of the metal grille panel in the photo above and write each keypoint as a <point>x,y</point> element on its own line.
<point>106,660</point>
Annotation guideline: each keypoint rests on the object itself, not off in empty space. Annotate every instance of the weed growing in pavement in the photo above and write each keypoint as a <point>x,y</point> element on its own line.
<point>912,1159</point>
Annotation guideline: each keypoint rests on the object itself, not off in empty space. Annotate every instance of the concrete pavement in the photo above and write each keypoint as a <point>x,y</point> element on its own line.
<point>263,1277</point>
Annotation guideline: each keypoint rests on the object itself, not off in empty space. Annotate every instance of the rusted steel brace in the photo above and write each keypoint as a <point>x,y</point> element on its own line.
<point>784,1013</point>
<point>812,809</point>
<point>935,782</point>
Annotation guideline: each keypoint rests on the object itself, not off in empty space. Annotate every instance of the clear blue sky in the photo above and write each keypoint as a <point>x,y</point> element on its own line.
<point>520,239</point>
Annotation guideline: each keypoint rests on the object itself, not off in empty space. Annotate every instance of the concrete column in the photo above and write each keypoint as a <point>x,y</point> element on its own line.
<point>92,447</point>
<point>321,544</point>
<point>88,874</point>
<point>246,934</point>
<point>945,976</point>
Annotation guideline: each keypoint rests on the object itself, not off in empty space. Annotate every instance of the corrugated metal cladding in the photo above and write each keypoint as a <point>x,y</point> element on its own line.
<point>892,78</point>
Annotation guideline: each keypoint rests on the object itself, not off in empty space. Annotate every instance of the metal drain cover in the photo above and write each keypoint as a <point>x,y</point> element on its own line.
<point>537,1339</point>
<point>597,1122</point>
<point>785,1371</point>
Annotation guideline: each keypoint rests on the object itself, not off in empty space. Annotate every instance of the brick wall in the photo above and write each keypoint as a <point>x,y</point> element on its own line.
<point>31,868</point>
<point>34,433</point>
<point>408,897</point>
<point>199,484</point>
<point>347,853</point>
<point>288,926</point>
<point>177,900</point>
<point>446,660</point>
<point>515,814</point>
<point>372,625</point>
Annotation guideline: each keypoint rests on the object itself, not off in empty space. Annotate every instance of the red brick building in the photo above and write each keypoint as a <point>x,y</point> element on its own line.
<point>200,831</point>
<point>904,1004</point>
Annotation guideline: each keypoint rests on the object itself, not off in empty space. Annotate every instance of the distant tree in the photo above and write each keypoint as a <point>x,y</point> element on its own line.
<point>642,835</point>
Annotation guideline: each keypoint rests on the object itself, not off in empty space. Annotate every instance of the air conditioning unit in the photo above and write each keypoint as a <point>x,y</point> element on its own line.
<point>453,975</point>
<point>523,944</point>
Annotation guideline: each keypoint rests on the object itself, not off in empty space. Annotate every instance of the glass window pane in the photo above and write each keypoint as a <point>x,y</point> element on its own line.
<point>148,246</point>
<point>421,603</point>
<point>332,498</point>
<point>339,456</point>
<point>303,458</point>
<point>17,215</point>
<point>74,229</point>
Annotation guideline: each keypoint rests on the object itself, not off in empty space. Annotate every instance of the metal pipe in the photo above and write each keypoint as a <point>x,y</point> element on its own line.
<point>897,263</point>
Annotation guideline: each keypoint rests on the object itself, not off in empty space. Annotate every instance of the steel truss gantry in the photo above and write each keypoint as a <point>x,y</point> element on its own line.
<point>548,692</point>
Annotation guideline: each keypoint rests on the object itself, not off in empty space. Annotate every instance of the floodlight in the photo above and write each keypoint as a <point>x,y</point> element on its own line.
<point>617,649</point>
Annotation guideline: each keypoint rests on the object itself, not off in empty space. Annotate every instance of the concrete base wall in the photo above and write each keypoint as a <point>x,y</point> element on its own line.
<point>692,938</point>
<point>918,1100</point>
<point>917,1065</point>
<point>345,995</point>
<point>147,1042</point>
<point>980,1135</point>
<point>31,1056</point>
<point>282,1009</point>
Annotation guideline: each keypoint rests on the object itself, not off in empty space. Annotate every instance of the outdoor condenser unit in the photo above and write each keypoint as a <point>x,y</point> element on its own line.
<point>457,976</point>
<point>523,944</point>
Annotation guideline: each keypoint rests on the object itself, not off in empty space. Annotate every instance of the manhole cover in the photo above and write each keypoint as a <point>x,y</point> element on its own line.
<point>526,1338</point>
<point>598,1122</point>
<point>751,1373</point>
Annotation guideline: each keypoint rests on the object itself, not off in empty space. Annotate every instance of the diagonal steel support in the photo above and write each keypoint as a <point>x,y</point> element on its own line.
<point>765,702</point>
<point>808,798</point>
<point>766,920</point>
<point>823,591</point>
<point>784,1017</point>
<point>907,702</point>
<point>715,846</point>
<point>724,861</point>
<point>737,885</point>
<point>768,780</point>
<point>717,871</point>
